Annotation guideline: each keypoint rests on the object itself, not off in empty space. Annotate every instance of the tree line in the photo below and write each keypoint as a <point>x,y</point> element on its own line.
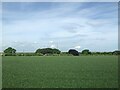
<point>55,52</point>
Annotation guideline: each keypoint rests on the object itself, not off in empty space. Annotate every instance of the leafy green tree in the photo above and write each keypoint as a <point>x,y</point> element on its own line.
<point>117,52</point>
<point>56,51</point>
<point>48,51</point>
<point>10,51</point>
<point>73,52</point>
<point>86,52</point>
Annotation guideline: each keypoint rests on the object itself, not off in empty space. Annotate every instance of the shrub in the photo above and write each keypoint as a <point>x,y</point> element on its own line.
<point>73,52</point>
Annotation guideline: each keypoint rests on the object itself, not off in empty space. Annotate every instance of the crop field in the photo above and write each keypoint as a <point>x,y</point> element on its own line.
<point>60,72</point>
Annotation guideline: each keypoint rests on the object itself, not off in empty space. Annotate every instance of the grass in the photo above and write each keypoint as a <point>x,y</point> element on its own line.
<point>60,72</point>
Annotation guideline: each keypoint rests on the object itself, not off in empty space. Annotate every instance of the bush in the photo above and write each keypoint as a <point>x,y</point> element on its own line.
<point>48,51</point>
<point>116,52</point>
<point>73,52</point>
<point>86,52</point>
<point>10,51</point>
<point>9,54</point>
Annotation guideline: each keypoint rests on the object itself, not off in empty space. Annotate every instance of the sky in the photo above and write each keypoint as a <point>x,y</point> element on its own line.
<point>27,26</point>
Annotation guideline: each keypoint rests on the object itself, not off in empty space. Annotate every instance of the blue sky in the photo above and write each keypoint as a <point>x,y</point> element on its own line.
<point>88,25</point>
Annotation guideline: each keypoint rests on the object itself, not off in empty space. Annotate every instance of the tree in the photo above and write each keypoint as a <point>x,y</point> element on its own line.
<point>10,51</point>
<point>48,51</point>
<point>73,52</point>
<point>116,52</point>
<point>56,51</point>
<point>86,52</point>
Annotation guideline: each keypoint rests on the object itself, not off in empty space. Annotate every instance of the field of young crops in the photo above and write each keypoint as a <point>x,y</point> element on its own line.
<point>60,72</point>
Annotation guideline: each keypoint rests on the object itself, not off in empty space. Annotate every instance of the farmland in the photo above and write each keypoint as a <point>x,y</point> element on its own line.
<point>60,72</point>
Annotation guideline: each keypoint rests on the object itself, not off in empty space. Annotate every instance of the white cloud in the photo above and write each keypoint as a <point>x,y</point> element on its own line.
<point>77,47</point>
<point>64,23</point>
<point>52,46</point>
<point>51,41</point>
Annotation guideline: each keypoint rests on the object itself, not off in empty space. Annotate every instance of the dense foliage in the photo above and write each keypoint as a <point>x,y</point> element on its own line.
<point>73,52</point>
<point>116,52</point>
<point>86,52</point>
<point>48,51</point>
<point>10,51</point>
<point>54,52</point>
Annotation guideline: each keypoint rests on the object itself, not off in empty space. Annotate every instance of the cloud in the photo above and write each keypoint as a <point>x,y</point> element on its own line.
<point>86,24</point>
<point>51,41</point>
<point>52,46</point>
<point>77,47</point>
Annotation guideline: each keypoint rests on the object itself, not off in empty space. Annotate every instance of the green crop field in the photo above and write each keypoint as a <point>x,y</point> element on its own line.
<point>60,72</point>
